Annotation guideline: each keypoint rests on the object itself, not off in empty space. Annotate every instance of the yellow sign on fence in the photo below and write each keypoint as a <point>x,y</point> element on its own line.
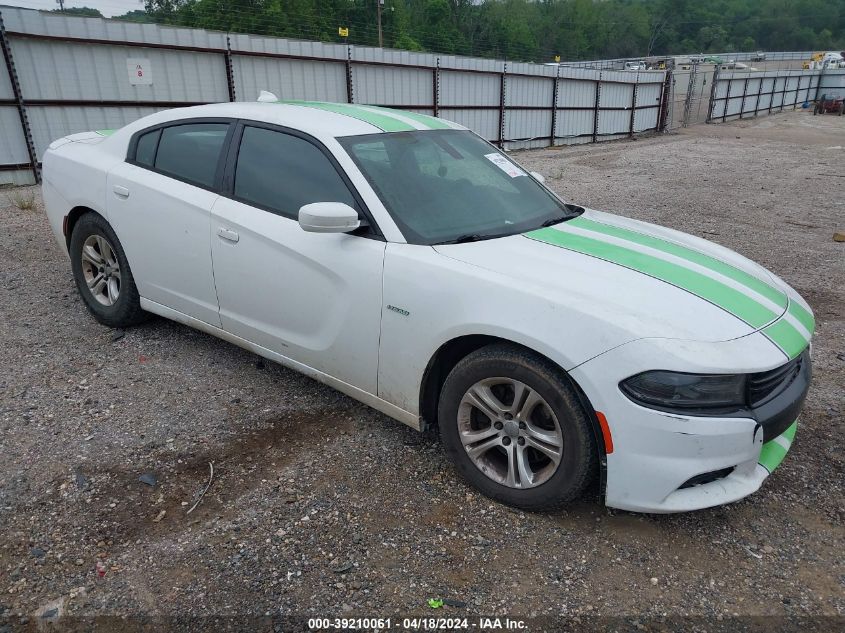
<point>342,31</point>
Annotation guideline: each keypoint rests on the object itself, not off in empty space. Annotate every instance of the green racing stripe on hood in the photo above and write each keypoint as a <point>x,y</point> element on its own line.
<point>730,299</point>
<point>697,257</point>
<point>105,132</point>
<point>783,334</point>
<point>802,315</point>
<point>385,122</point>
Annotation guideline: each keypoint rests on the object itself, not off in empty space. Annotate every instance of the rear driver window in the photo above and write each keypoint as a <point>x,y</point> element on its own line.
<point>191,152</point>
<point>282,172</point>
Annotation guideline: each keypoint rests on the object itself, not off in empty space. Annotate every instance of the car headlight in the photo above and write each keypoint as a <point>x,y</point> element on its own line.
<point>675,390</point>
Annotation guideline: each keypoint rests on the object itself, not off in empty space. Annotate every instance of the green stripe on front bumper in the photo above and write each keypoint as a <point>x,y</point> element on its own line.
<point>696,257</point>
<point>712,290</point>
<point>783,334</point>
<point>773,452</point>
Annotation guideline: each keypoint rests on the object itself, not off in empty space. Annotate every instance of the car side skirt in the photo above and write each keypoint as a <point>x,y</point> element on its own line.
<point>371,400</point>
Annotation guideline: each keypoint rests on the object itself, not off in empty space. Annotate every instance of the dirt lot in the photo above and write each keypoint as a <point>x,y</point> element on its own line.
<point>323,507</point>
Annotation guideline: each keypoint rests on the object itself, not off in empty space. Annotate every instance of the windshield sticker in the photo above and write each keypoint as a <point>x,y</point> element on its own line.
<point>505,165</point>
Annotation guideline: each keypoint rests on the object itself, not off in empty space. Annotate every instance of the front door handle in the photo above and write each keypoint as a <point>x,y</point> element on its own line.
<point>226,234</point>
<point>120,192</point>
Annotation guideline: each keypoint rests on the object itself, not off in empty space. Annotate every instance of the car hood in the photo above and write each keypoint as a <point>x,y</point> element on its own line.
<point>648,280</point>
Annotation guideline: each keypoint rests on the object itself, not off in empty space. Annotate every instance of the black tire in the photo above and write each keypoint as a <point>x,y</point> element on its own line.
<point>578,465</point>
<point>126,310</point>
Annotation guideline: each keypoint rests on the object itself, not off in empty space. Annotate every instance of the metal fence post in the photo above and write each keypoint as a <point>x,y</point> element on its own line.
<point>744,93</point>
<point>435,77</point>
<point>350,91</point>
<point>759,92</point>
<point>555,89</point>
<point>230,76</point>
<point>663,111</point>
<point>714,86</point>
<point>596,110</point>
<point>633,105</point>
<point>772,95</point>
<point>502,100</point>
<point>19,102</point>
<point>820,76</point>
<point>691,83</point>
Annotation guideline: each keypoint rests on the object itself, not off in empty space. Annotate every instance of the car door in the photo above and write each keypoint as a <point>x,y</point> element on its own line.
<point>160,203</point>
<point>312,297</point>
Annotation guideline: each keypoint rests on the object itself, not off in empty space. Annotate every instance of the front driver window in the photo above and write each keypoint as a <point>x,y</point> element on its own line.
<point>281,172</point>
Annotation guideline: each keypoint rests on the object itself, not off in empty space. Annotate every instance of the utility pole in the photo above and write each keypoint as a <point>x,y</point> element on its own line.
<point>379,5</point>
<point>61,4</point>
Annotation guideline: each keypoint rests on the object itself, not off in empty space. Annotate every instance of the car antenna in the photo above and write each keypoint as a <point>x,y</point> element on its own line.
<point>266,97</point>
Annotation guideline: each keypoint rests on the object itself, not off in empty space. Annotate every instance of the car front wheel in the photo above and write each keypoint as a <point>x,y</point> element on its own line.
<point>102,273</point>
<point>516,430</point>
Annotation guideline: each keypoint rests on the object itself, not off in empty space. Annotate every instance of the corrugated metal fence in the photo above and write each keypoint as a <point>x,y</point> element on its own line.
<point>738,94</point>
<point>76,74</point>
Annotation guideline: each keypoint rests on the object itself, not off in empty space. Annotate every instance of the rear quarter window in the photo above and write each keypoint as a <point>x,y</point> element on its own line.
<point>145,150</point>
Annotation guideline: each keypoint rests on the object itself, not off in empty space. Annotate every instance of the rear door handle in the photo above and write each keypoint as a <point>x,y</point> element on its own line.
<point>226,234</point>
<point>121,192</point>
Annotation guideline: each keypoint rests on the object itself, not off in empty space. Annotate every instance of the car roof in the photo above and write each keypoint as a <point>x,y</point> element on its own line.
<point>319,118</point>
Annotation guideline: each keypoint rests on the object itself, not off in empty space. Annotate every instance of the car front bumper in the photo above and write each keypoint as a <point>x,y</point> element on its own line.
<point>668,462</point>
<point>744,479</point>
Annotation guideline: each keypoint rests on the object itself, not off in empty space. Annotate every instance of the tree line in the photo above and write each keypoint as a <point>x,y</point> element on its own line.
<point>524,30</point>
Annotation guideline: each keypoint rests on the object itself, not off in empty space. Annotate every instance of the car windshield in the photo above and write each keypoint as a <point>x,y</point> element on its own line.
<point>443,186</point>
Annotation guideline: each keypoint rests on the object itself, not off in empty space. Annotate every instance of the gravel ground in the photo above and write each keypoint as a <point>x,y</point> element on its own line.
<point>322,507</point>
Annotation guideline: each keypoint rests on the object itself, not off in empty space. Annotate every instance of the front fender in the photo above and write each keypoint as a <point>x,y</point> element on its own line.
<point>450,299</point>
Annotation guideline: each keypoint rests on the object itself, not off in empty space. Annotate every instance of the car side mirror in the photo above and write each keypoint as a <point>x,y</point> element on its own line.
<point>328,217</point>
<point>539,177</point>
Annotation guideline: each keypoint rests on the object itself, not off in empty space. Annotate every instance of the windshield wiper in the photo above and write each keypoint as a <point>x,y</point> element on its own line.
<point>557,220</point>
<point>468,237</point>
<point>574,211</point>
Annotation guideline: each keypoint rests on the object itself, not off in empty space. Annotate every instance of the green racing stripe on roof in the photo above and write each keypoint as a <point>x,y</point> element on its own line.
<point>783,334</point>
<point>665,246</point>
<point>383,121</point>
<point>773,452</point>
<point>433,122</point>
<point>730,299</point>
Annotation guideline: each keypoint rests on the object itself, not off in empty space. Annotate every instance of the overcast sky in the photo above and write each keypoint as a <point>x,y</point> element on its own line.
<point>107,7</point>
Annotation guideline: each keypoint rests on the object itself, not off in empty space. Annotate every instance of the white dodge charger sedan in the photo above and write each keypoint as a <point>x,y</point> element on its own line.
<point>410,264</point>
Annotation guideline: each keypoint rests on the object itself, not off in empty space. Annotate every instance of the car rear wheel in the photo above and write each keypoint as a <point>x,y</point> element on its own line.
<point>102,273</point>
<point>516,430</point>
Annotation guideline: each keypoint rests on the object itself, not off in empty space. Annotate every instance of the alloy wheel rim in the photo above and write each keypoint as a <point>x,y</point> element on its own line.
<point>101,270</point>
<point>510,433</point>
